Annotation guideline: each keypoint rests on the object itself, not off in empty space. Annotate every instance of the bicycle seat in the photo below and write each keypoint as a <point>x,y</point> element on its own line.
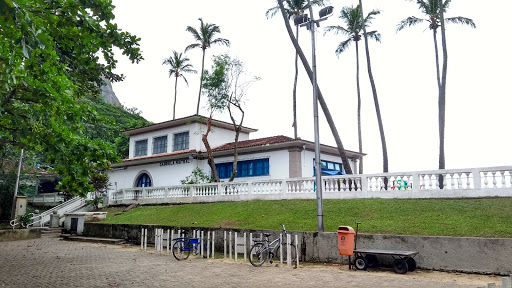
<point>267,234</point>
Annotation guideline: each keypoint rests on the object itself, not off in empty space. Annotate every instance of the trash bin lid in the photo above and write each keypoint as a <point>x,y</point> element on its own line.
<point>346,229</point>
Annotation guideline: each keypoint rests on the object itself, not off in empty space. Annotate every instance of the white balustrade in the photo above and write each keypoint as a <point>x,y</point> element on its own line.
<point>454,183</point>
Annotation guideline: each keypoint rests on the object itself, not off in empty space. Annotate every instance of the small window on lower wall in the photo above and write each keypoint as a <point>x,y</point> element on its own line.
<point>144,180</point>
<point>246,168</point>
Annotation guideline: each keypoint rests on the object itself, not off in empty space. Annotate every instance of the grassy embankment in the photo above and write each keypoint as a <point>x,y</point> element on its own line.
<point>491,217</point>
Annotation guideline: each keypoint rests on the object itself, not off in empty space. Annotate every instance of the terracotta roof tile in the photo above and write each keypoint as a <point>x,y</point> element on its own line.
<point>254,142</point>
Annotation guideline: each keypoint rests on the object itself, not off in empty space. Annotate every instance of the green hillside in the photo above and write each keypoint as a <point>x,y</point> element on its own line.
<point>490,217</point>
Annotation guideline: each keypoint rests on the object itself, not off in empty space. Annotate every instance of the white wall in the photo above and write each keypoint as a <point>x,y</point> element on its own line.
<point>217,137</point>
<point>160,175</point>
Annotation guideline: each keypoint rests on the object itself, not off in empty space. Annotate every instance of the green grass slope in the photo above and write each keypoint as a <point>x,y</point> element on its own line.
<point>490,217</point>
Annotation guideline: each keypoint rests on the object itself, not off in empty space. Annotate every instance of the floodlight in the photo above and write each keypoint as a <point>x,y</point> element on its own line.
<point>299,19</point>
<point>326,12</point>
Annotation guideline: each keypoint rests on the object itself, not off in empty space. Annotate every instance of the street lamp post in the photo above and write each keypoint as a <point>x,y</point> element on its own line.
<point>310,24</point>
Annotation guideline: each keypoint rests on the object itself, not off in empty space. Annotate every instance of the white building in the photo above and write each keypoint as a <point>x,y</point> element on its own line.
<point>165,153</point>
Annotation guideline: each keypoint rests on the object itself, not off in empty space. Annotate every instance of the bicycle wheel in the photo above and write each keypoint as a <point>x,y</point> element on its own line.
<point>293,254</point>
<point>258,254</point>
<point>179,252</point>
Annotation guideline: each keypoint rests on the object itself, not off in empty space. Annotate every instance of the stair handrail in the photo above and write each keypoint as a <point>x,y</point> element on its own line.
<point>15,222</point>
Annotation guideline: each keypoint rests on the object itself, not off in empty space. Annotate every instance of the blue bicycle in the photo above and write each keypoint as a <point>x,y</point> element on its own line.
<point>184,245</point>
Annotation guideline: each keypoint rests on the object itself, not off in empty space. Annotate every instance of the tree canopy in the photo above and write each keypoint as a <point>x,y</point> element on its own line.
<point>50,54</point>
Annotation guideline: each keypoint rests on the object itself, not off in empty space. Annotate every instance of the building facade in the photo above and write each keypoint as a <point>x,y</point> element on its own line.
<point>165,153</point>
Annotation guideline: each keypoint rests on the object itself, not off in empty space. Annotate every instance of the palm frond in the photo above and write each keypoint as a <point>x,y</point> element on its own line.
<point>183,76</point>
<point>192,46</point>
<point>410,21</point>
<point>271,12</point>
<point>374,35</point>
<point>222,41</point>
<point>343,46</point>
<point>461,20</point>
<point>337,30</point>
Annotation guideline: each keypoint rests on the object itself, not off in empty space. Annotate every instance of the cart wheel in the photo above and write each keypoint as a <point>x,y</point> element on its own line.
<point>361,263</point>
<point>411,263</point>
<point>400,266</point>
<point>372,260</point>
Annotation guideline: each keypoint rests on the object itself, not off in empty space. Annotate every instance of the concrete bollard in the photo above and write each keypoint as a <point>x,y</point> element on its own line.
<point>54,219</point>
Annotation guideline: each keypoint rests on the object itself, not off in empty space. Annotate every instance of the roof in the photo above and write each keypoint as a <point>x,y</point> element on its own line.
<point>184,121</point>
<point>279,142</point>
<point>254,142</point>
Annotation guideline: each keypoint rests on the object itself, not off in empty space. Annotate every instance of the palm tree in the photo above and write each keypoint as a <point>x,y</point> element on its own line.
<point>321,100</point>
<point>385,164</point>
<point>179,65</point>
<point>294,8</point>
<point>205,38</point>
<point>354,22</point>
<point>434,11</point>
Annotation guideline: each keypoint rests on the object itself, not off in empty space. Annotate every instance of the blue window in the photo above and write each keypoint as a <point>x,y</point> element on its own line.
<point>247,168</point>
<point>181,141</point>
<point>144,180</point>
<point>329,168</point>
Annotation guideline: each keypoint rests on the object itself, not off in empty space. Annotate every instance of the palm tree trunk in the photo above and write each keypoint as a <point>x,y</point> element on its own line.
<point>325,109</point>
<point>375,100</point>
<point>200,83</point>
<point>442,95</point>
<point>175,93</point>
<point>438,71</point>
<point>295,88</point>
<point>359,133</point>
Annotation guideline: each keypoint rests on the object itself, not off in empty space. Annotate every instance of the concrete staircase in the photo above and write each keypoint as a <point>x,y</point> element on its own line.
<point>47,232</point>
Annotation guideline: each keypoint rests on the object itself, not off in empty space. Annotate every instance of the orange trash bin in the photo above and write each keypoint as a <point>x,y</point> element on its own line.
<point>346,240</point>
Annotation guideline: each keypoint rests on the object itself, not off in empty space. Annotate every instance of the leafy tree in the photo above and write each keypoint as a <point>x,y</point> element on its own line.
<point>434,11</point>
<point>295,8</point>
<point>198,176</point>
<point>100,183</point>
<point>234,82</point>
<point>205,38</point>
<point>49,59</point>
<point>321,100</point>
<point>354,22</point>
<point>9,158</point>
<point>385,165</point>
<point>179,65</point>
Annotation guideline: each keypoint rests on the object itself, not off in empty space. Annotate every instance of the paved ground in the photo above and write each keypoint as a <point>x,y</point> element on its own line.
<point>51,262</point>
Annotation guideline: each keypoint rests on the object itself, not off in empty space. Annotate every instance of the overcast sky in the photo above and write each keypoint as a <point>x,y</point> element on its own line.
<point>478,108</point>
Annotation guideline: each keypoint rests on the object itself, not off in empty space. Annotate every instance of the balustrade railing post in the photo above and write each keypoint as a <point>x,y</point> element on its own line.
<point>250,188</point>
<point>415,181</point>
<point>284,188</point>
<point>476,178</point>
<point>364,183</point>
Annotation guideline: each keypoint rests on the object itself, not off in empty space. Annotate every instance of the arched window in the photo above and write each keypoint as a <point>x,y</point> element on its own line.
<point>144,180</point>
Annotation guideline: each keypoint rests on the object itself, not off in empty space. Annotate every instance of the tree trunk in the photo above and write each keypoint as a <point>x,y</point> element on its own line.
<point>211,161</point>
<point>359,130</point>
<point>175,93</point>
<point>325,109</point>
<point>295,89</point>
<point>442,98</point>
<point>200,84</point>
<point>238,128</point>
<point>438,71</point>
<point>375,99</point>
